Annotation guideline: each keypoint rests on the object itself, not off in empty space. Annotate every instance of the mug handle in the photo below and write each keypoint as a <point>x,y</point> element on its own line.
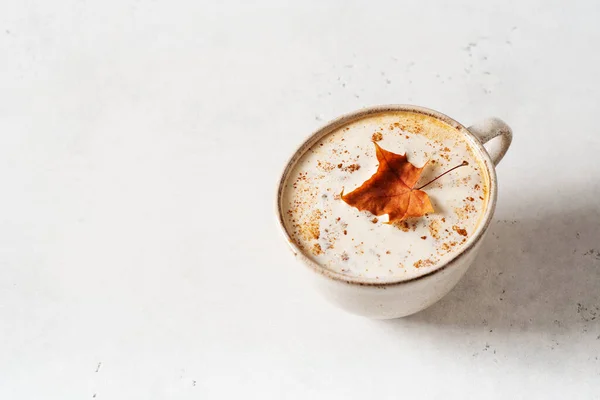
<point>488,129</point>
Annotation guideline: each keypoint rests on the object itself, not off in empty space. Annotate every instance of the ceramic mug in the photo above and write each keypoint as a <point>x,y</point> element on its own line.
<point>404,296</point>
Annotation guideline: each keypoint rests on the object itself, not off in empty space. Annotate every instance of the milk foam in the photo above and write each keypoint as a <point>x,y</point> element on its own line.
<point>343,239</point>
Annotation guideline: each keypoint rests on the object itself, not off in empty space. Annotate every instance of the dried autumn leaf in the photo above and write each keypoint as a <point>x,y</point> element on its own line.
<point>391,189</point>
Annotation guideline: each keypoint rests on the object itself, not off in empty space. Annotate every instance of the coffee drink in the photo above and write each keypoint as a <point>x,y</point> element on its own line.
<point>357,243</point>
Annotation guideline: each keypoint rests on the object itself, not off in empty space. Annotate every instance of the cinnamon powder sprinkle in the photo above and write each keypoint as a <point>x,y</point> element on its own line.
<point>351,168</point>
<point>310,230</point>
<point>424,263</point>
<point>317,249</point>
<point>377,136</point>
<point>405,226</point>
<point>325,166</point>
<point>460,231</point>
<point>434,229</point>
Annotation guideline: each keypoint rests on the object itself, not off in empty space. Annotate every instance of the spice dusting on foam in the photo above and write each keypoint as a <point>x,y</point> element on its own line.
<point>354,243</point>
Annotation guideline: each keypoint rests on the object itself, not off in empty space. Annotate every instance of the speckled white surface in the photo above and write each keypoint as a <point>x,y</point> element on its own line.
<point>131,268</point>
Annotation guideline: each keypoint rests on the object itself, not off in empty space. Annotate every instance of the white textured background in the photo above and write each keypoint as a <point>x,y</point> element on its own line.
<point>140,144</point>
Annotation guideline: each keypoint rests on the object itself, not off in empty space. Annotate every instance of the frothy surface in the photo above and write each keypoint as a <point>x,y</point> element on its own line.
<point>357,243</point>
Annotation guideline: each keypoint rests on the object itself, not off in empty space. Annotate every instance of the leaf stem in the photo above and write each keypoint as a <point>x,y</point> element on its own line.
<point>439,176</point>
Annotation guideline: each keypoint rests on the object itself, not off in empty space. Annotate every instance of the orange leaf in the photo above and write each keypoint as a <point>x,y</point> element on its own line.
<point>391,189</point>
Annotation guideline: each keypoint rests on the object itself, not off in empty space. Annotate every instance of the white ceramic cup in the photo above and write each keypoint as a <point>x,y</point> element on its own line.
<point>404,296</point>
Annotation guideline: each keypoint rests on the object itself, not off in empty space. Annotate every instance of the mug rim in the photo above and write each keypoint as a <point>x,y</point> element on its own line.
<point>352,116</point>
